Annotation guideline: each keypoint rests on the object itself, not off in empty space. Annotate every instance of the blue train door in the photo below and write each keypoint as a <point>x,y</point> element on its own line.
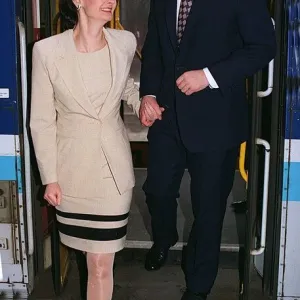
<point>16,210</point>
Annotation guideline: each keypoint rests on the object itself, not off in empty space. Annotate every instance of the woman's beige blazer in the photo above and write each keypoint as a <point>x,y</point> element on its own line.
<point>72,143</point>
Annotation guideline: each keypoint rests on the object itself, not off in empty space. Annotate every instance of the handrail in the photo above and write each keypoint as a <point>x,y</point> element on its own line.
<point>242,169</point>
<point>262,246</point>
<point>268,91</point>
<point>56,23</point>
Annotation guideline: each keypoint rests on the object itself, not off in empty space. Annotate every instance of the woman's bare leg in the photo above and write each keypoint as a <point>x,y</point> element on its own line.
<point>100,276</point>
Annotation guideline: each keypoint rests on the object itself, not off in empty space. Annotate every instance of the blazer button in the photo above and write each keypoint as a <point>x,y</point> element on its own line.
<point>180,69</point>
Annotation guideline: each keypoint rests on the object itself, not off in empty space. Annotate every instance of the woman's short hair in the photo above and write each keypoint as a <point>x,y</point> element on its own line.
<point>68,13</point>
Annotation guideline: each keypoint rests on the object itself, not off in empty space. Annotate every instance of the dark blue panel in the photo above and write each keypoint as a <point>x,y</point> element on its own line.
<point>8,118</point>
<point>288,124</point>
<point>295,125</point>
<point>293,70</point>
<point>8,70</point>
<point>292,129</point>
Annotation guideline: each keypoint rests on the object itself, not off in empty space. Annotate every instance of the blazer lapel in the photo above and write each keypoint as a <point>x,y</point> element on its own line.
<point>118,65</point>
<point>68,66</point>
<point>171,15</point>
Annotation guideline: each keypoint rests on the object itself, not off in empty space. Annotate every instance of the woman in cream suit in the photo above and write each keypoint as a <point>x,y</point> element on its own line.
<point>79,78</point>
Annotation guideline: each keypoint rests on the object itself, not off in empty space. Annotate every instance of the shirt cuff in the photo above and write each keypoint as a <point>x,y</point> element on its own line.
<point>147,96</point>
<point>211,81</point>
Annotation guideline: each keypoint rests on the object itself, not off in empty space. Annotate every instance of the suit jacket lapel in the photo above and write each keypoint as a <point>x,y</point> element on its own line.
<point>171,15</point>
<point>68,66</point>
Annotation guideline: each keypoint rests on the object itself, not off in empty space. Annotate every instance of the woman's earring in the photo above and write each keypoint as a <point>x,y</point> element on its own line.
<point>79,6</point>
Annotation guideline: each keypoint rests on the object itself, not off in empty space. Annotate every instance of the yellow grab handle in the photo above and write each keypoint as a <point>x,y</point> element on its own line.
<point>243,172</point>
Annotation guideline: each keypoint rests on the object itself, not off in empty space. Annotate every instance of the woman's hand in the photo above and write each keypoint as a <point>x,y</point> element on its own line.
<point>150,111</point>
<point>53,194</point>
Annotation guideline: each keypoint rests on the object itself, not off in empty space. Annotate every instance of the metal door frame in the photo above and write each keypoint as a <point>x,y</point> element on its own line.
<point>271,257</point>
<point>271,265</point>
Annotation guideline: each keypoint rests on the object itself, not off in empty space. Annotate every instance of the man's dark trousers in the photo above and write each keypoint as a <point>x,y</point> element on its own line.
<point>212,175</point>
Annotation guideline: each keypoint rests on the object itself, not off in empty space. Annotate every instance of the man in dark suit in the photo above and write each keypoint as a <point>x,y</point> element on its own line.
<point>195,61</point>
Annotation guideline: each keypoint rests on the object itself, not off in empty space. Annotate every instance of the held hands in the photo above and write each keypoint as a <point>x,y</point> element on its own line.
<point>150,111</point>
<point>192,81</point>
<point>53,194</point>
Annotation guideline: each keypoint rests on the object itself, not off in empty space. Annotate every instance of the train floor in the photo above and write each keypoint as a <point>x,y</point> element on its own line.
<point>133,282</point>
<point>139,233</point>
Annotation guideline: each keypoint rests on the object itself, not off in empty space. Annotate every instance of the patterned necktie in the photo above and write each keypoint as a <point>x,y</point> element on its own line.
<point>184,10</point>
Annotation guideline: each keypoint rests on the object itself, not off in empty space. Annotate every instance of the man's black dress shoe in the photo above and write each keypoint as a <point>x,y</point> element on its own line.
<point>188,295</point>
<point>156,258</point>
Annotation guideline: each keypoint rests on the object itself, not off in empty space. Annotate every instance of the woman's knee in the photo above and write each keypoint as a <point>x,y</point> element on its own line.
<point>100,265</point>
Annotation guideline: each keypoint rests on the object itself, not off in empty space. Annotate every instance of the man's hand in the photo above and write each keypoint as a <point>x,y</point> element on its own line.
<point>192,81</point>
<point>53,194</point>
<point>150,111</point>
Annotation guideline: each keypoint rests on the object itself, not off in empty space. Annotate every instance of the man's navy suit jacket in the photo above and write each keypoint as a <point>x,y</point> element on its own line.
<point>234,39</point>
